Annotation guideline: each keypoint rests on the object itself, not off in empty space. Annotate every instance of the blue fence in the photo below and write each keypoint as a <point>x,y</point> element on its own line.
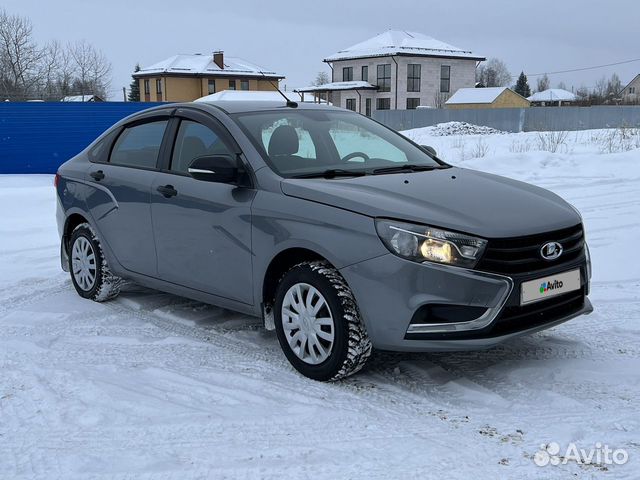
<point>37,137</point>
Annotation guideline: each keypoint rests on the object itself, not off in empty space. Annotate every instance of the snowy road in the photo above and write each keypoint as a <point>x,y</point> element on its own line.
<point>156,386</point>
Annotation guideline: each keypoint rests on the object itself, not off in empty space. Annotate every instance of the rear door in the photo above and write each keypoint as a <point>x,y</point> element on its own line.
<point>202,229</point>
<point>120,201</point>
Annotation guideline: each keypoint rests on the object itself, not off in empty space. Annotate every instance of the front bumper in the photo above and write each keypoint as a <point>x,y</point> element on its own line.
<point>390,291</point>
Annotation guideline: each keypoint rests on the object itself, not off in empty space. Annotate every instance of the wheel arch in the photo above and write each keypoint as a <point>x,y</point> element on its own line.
<point>71,222</point>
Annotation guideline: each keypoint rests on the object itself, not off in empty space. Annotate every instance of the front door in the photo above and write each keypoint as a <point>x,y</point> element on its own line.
<point>202,229</point>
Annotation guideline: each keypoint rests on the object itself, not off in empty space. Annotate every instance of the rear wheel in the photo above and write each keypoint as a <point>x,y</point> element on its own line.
<point>318,323</point>
<point>90,273</point>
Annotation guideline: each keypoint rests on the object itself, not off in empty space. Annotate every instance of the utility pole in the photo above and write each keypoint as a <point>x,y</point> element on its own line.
<point>124,94</point>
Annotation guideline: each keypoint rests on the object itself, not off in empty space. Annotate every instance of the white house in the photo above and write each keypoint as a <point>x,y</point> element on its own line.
<point>631,93</point>
<point>397,70</point>
<point>552,96</point>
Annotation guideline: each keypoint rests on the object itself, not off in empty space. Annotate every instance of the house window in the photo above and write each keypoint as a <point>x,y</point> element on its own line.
<point>413,77</point>
<point>383,104</point>
<point>244,84</point>
<point>211,86</point>
<point>351,104</point>
<point>445,79</point>
<point>159,86</point>
<point>147,88</point>
<point>347,74</point>
<point>384,78</point>
<point>367,107</point>
<point>632,90</point>
<point>413,103</point>
<point>232,84</point>
<point>365,73</point>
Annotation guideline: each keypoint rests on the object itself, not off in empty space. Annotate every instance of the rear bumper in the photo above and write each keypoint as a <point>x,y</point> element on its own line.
<point>391,292</point>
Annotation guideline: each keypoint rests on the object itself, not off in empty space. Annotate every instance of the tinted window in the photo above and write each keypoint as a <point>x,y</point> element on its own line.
<point>139,146</point>
<point>195,140</point>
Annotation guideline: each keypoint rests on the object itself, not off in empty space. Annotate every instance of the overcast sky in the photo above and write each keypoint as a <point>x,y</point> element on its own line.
<point>293,37</point>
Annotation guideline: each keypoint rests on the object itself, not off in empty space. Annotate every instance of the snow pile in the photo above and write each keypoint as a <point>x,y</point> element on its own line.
<point>455,128</point>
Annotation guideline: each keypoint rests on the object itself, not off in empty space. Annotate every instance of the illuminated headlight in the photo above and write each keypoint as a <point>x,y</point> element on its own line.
<point>422,243</point>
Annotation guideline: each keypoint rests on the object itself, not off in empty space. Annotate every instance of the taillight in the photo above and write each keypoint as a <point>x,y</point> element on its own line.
<point>56,179</point>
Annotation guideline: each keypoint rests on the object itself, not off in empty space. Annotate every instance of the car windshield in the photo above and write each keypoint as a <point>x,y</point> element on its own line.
<point>304,143</point>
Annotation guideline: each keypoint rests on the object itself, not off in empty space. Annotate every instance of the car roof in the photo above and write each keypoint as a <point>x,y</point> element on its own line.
<point>245,106</point>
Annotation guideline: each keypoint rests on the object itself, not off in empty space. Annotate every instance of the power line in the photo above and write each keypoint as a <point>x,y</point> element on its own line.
<point>582,69</point>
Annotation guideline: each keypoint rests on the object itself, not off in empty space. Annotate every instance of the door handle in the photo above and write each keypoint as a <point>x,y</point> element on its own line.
<point>97,175</point>
<point>167,191</point>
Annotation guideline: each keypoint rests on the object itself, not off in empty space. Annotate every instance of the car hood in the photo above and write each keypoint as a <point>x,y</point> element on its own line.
<point>465,200</point>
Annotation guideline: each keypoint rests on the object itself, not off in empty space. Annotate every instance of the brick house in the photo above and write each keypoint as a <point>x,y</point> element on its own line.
<point>397,70</point>
<point>183,78</point>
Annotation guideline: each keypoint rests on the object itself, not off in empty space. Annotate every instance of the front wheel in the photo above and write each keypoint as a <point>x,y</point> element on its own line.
<point>90,273</point>
<point>318,323</point>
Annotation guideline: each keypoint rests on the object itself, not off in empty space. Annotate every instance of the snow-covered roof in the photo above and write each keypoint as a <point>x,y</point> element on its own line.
<point>251,95</point>
<point>81,98</point>
<point>476,95</point>
<point>553,95</point>
<point>399,42</point>
<point>355,85</point>
<point>199,64</point>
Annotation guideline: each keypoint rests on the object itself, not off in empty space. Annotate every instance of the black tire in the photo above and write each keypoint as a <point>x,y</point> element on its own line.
<point>106,285</point>
<point>351,345</point>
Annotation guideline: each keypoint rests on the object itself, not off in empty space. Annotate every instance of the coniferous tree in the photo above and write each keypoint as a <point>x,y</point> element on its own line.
<point>134,87</point>
<point>522,86</point>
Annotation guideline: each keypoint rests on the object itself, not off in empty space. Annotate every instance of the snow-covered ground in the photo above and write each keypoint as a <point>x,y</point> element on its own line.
<point>156,386</point>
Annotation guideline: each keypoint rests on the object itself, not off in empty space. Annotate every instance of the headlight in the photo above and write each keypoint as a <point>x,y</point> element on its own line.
<point>422,243</point>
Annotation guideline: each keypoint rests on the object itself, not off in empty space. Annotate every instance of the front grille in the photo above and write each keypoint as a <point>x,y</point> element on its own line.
<point>515,255</point>
<point>512,319</point>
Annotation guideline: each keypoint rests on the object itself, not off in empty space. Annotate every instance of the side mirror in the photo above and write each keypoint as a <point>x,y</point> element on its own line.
<point>429,150</point>
<point>215,168</point>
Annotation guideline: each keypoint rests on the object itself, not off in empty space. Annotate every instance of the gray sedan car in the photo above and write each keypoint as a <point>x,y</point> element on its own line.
<point>340,233</point>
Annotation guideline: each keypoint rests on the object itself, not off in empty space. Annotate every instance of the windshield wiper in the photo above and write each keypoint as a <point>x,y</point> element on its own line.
<point>332,173</point>
<point>408,167</point>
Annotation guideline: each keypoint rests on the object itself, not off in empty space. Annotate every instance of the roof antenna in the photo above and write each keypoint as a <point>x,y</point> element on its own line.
<point>290,103</point>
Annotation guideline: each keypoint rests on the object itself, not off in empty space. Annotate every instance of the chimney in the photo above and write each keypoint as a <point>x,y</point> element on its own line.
<point>218,59</point>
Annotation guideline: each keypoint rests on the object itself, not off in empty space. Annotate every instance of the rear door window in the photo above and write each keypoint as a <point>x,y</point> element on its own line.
<point>139,146</point>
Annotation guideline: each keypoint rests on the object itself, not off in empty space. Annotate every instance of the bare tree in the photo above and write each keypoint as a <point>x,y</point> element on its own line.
<point>543,83</point>
<point>494,73</point>
<point>20,56</point>
<point>321,78</point>
<point>92,69</point>
<point>439,99</point>
<point>49,70</point>
<point>614,85</point>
